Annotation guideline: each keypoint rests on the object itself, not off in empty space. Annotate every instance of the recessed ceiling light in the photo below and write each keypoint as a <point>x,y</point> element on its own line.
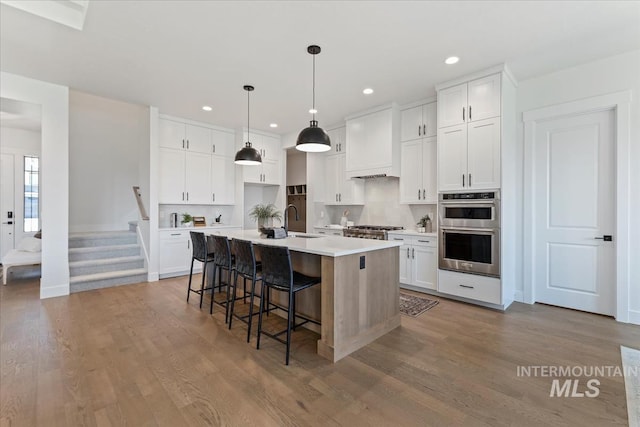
<point>206,108</point>
<point>313,111</point>
<point>451,60</point>
<point>368,91</point>
<point>273,125</point>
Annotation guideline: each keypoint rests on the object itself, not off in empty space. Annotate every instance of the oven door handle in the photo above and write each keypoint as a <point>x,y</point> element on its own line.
<point>464,202</point>
<point>474,230</point>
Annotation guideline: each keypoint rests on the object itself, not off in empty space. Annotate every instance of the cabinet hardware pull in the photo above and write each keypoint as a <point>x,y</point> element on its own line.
<point>183,143</point>
<point>339,197</point>
<point>606,238</point>
<point>187,144</point>
<point>214,197</point>
<point>418,194</point>
<point>424,241</point>
<point>407,252</point>
<point>336,148</point>
<point>336,197</point>
<point>187,196</point>
<point>419,130</point>
<point>395,238</point>
<point>466,286</point>
<point>469,180</point>
<point>463,114</point>
<point>176,234</point>
<point>188,244</point>
<point>463,180</point>
<point>214,148</point>
<point>424,130</point>
<point>469,112</point>
<point>424,194</point>
<point>340,146</point>
<point>183,195</point>
<point>413,252</point>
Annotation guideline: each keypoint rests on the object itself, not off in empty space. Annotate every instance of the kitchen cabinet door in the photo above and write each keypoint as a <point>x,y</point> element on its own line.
<point>405,264</point>
<point>271,149</point>
<point>429,170</point>
<point>411,122</point>
<point>198,139</point>
<point>270,172</point>
<point>175,253</point>
<point>425,270</point>
<point>331,179</point>
<point>484,98</point>
<point>222,143</point>
<point>452,158</point>
<point>483,148</point>
<point>429,118</point>
<point>338,140</point>
<point>252,174</point>
<point>411,171</point>
<point>172,175</point>
<point>223,180</point>
<point>171,134</point>
<point>198,178</point>
<point>452,106</point>
<point>350,191</point>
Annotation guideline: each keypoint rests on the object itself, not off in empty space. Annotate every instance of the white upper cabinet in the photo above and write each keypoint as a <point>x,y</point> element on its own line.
<point>338,139</point>
<point>268,173</point>
<point>484,98</point>
<point>469,135</point>
<point>418,171</point>
<point>418,122</point>
<point>374,146</point>
<point>476,100</point>
<point>340,190</point>
<point>195,163</point>
<point>182,136</point>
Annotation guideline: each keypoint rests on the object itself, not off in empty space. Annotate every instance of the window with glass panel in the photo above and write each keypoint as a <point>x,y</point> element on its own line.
<point>31,194</point>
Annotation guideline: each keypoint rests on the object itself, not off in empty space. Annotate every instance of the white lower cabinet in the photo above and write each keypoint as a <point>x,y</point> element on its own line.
<point>176,250</point>
<point>471,286</point>
<point>418,261</point>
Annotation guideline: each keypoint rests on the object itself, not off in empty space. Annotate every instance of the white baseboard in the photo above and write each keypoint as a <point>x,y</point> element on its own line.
<point>518,296</point>
<point>634,317</point>
<point>54,291</point>
<point>153,277</point>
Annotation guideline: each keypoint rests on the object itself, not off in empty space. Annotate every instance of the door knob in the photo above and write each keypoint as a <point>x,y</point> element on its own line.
<point>606,238</point>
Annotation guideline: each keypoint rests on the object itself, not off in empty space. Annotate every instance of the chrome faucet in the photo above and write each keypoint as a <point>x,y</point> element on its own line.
<point>286,216</point>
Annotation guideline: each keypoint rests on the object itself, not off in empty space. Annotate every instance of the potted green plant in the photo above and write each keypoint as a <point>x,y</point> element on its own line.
<point>424,224</point>
<point>264,214</point>
<point>187,220</point>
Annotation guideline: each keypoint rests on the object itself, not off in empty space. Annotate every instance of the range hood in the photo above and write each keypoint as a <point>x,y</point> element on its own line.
<point>373,143</point>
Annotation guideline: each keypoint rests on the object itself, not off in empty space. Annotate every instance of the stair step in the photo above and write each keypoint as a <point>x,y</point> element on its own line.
<point>91,266</point>
<point>100,252</point>
<point>105,238</point>
<point>108,279</point>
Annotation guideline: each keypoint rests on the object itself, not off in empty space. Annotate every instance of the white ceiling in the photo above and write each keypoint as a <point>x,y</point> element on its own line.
<point>180,55</point>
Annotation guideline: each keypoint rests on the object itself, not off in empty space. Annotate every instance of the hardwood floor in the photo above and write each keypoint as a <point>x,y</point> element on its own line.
<point>140,355</point>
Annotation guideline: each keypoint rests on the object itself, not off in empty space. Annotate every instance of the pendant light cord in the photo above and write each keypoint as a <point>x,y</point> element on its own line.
<point>248,128</point>
<point>314,87</point>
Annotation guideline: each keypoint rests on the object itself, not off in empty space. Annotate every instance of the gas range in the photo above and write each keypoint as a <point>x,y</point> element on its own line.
<point>377,232</point>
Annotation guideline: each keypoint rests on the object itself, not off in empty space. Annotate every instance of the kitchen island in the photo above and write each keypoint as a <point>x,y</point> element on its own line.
<point>358,298</point>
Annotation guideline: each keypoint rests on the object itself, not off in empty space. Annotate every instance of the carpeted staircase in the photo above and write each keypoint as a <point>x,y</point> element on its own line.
<point>105,259</point>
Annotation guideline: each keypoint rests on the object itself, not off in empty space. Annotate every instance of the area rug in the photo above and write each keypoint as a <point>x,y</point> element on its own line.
<point>412,305</point>
<point>631,367</point>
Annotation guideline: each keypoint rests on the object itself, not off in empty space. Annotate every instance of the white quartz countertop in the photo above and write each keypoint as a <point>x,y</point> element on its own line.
<point>413,233</point>
<point>332,246</point>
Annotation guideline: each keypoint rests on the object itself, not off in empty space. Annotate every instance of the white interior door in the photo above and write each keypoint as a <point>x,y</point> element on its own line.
<point>574,199</point>
<point>7,211</point>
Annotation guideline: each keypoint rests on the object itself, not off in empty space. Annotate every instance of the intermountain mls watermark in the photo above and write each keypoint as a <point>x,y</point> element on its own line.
<point>576,381</point>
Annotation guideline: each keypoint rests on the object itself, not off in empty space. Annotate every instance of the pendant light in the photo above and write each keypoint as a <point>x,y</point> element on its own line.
<point>248,156</point>
<point>313,139</point>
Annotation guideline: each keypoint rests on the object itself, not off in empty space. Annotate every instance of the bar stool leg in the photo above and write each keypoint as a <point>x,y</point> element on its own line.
<point>253,291</point>
<point>204,269</point>
<point>289,315</point>
<point>232,301</point>
<point>262,293</point>
<point>190,274</point>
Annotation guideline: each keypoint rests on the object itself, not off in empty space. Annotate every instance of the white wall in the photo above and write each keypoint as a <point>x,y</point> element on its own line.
<point>54,208</point>
<point>108,143</point>
<point>613,74</point>
<point>20,143</point>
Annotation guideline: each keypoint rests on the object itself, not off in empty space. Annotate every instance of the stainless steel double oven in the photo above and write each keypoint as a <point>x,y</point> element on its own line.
<point>469,228</point>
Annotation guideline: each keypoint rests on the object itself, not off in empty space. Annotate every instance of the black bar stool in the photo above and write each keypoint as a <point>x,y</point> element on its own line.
<point>202,253</point>
<point>246,267</point>
<point>222,260</point>
<point>278,274</point>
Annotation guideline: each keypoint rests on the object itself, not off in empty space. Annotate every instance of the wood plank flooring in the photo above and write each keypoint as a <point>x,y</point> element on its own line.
<point>140,355</point>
